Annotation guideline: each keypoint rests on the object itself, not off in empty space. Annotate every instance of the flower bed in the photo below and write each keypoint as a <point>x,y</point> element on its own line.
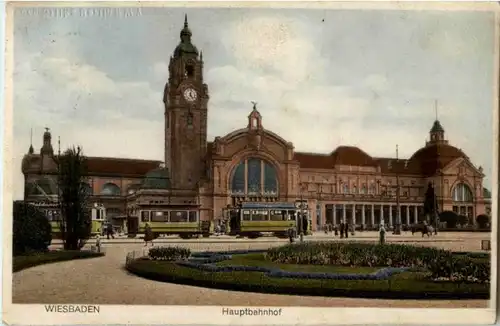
<point>209,259</point>
<point>200,270</point>
<point>441,263</point>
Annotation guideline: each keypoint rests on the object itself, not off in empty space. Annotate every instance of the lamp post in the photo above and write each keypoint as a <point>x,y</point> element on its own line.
<point>397,229</point>
<point>435,209</point>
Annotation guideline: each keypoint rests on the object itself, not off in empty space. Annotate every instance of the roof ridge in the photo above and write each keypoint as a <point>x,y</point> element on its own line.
<point>122,159</point>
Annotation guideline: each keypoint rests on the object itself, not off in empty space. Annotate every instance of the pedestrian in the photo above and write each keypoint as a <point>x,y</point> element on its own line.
<point>98,243</point>
<point>148,235</point>
<point>109,231</point>
<point>336,230</point>
<point>346,230</point>
<point>342,226</point>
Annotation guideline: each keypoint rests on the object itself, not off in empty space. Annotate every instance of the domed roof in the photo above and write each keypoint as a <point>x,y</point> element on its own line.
<point>436,156</point>
<point>350,155</point>
<point>158,178</point>
<point>185,48</point>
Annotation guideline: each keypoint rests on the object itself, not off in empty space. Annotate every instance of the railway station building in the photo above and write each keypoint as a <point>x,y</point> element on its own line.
<point>254,164</point>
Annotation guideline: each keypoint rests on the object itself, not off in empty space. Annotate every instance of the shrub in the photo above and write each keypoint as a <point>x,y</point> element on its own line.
<point>450,218</point>
<point>482,220</point>
<point>355,254</point>
<point>169,253</point>
<point>31,229</point>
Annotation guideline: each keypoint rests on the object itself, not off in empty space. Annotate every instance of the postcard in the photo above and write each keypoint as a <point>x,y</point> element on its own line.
<point>250,163</point>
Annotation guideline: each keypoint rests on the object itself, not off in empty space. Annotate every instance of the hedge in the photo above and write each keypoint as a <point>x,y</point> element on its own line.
<point>26,261</point>
<point>169,253</point>
<point>408,285</point>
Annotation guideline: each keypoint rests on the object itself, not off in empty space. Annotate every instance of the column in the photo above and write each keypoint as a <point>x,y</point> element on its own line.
<point>343,214</point>
<point>322,214</point>
<point>363,214</point>
<point>334,214</point>
<point>407,215</point>
<point>353,214</point>
<point>373,214</point>
<point>390,215</point>
<point>415,217</point>
<point>381,213</point>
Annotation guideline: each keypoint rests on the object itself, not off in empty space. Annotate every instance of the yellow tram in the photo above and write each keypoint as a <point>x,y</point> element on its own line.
<point>184,222</point>
<point>97,213</point>
<point>254,219</point>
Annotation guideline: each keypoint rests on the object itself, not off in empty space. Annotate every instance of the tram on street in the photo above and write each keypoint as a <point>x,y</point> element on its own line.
<point>52,212</point>
<point>184,222</point>
<point>253,220</point>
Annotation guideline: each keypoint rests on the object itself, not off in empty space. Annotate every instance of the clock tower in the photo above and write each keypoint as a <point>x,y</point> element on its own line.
<point>185,98</point>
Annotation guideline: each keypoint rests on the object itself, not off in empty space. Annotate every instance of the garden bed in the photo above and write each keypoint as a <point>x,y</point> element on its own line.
<point>26,261</point>
<point>254,272</point>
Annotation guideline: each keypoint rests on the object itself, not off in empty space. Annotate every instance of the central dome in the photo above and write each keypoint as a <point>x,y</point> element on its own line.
<point>434,157</point>
<point>158,178</point>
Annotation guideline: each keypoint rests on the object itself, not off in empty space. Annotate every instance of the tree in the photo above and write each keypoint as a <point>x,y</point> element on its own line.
<point>451,218</point>
<point>463,220</point>
<point>430,203</point>
<point>75,218</point>
<point>31,229</point>
<point>482,220</point>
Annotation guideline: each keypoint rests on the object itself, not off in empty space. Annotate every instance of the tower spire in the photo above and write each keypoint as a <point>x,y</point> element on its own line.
<point>397,152</point>
<point>186,21</point>
<point>436,109</point>
<point>31,150</point>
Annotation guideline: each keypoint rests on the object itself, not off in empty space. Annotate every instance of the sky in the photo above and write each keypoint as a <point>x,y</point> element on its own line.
<point>322,78</point>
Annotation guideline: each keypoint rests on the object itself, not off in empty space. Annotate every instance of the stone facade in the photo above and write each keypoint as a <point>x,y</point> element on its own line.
<point>255,164</point>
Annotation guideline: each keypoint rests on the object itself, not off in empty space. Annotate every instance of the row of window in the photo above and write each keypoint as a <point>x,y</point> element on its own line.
<point>169,216</point>
<point>267,215</point>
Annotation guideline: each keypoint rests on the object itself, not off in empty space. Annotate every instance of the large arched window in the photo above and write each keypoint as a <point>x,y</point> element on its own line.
<point>462,193</point>
<point>110,189</point>
<point>254,176</point>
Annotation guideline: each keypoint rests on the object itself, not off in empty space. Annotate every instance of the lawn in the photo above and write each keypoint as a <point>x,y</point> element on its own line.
<point>30,260</point>
<point>258,259</point>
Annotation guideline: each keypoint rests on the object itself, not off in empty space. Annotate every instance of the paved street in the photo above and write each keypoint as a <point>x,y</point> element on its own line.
<point>104,281</point>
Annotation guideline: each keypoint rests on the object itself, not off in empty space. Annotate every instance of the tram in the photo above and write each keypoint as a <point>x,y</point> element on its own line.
<point>52,212</point>
<point>184,222</point>
<point>255,219</point>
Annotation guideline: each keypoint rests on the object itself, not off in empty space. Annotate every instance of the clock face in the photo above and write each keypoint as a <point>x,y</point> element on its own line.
<point>190,95</point>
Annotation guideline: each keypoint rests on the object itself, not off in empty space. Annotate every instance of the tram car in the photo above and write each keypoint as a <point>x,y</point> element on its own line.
<point>97,213</point>
<point>182,222</point>
<point>253,220</point>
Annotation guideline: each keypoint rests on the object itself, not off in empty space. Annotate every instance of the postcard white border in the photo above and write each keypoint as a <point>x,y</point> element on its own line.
<point>116,314</point>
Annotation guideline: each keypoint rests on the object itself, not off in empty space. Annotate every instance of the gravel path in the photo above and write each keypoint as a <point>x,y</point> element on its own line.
<point>104,281</point>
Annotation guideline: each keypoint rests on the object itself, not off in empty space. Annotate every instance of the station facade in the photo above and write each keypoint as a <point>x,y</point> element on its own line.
<point>254,164</point>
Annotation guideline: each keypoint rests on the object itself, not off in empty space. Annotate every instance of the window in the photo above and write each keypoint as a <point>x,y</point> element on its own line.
<point>189,119</point>
<point>354,190</point>
<point>345,189</point>
<point>363,189</point>
<point>246,215</point>
<point>193,216</point>
<point>189,71</point>
<point>159,216</point>
<point>277,215</point>
<point>178,216</point>
<point>462,193</point>
<point>110,189</point>
<point>144,216</point>
<point>258,215</point>
<point>255,177</point>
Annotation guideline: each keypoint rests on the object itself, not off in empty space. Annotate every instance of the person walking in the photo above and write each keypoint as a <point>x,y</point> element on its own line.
<point>346,230</point>
<point>148,235</point>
